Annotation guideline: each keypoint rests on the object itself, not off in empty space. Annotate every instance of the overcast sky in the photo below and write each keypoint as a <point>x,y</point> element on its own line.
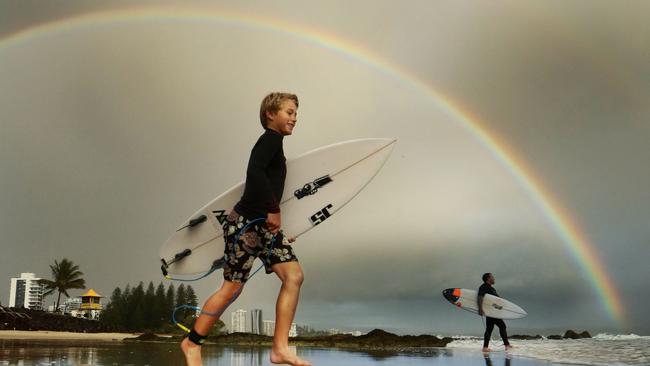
<point>112,134</point>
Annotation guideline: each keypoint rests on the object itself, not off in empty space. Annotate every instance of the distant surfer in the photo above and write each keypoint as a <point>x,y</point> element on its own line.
<point>264,185</point>
<point>486,288</point>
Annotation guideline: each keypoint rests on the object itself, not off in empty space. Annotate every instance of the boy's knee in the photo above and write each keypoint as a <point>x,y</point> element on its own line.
<point>233,291</point>
<point>295,278</point>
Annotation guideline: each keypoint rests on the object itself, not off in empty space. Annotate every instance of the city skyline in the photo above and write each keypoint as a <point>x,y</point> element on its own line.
<point>238,323</point>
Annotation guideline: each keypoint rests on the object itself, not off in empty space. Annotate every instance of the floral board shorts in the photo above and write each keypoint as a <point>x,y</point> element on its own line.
<point>255,242</point>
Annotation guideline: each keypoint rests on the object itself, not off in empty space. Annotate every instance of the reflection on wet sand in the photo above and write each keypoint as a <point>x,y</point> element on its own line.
<point>488,361</point>
<point>84,352</point>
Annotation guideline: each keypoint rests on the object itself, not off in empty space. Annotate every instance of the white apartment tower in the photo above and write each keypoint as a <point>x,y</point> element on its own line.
<point>268,327</point>
<point>26,292</point>
<point>256,321</point>
<point>238,321</point>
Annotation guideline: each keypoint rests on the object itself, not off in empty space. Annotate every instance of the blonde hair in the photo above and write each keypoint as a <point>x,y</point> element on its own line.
<point>273,102</point>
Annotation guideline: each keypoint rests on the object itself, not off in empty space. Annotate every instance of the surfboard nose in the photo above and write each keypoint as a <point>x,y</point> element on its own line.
<point>451,294</point>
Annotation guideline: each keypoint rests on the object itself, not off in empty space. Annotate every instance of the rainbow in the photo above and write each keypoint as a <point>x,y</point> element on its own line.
<point>575,240</point>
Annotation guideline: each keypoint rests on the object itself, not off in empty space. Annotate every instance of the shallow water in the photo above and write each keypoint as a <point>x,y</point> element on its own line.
<point>603,349</point>
<point>58,353</point>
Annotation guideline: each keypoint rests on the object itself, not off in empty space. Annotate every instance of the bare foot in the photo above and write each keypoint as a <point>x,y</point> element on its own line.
<point>285,356</point>
<point>192,353</point>
<point>485,349</point>
<point>509,347</point>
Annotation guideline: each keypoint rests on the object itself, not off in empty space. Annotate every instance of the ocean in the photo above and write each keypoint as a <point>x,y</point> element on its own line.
<point>602,349</point>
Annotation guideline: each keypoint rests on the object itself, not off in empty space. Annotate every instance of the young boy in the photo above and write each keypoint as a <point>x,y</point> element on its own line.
<point>261,199</point>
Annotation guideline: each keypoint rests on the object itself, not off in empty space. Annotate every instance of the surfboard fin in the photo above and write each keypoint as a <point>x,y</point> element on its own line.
<point>198,220</point>
<point>194,222</point>
<point>177,257</point>
<point>181,255</point>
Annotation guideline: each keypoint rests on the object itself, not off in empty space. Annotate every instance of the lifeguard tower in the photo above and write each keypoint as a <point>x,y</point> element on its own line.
<point>90,304</point>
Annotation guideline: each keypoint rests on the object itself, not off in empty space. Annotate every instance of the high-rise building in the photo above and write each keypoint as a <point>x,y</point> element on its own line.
<point>26,292</point>
<point>238,321</point>
<point>268,327</point>
<point>256,321</point>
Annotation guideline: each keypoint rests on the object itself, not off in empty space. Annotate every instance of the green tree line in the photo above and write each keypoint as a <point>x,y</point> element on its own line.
<point>138,309</point>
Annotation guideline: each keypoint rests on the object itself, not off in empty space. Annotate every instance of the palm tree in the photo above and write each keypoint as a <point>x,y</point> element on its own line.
<point>66,276</point>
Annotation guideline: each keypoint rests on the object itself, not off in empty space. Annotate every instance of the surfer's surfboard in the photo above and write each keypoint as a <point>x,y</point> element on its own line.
<point>317,185</point>
<point>493,306</point>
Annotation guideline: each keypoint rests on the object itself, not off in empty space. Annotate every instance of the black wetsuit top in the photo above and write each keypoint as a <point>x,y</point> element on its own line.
<point>265,176</point>
<point>486,288</point>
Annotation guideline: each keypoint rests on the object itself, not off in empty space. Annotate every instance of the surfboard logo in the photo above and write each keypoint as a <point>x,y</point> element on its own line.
<point>321,215</point>
<point>220,215</point>
<point>312,187</point>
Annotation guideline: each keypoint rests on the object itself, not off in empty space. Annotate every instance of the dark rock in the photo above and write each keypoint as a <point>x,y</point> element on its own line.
<point>571,334</point>
<point>525,337</point>
<point>555,336</point>
<point>378,334</point>
<point>585,334</point>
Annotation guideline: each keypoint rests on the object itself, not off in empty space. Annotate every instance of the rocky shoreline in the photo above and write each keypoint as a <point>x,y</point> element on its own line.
<point>569,334</point>
<point>373,341</point>
<point>27,319</point>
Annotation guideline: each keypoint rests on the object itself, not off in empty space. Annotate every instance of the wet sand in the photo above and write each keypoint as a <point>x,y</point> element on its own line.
<point>70,352</point>
<point>51,335</point>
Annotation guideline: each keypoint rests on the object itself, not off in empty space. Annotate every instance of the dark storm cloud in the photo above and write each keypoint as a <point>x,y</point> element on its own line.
<point>100,151</point>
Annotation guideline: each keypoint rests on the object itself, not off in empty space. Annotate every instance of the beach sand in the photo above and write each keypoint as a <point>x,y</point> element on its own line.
<point>52,335</point>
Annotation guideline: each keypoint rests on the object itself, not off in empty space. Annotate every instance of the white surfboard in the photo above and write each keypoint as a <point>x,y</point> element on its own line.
<point>493,306</point>
<point>317,185</point>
